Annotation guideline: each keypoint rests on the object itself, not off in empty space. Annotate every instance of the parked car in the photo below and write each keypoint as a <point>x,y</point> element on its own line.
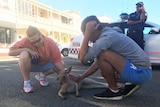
<point>63,49</point>
<point>74,48</point>
<point>151,38</point>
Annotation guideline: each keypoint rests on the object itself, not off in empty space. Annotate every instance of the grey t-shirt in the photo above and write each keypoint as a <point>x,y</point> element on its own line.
<point>119,43</point>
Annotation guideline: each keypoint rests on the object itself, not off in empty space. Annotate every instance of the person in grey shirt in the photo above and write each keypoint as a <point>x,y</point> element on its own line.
<point>117,56</point>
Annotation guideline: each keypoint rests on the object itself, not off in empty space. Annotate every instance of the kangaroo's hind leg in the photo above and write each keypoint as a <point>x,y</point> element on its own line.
<point>76,89</point>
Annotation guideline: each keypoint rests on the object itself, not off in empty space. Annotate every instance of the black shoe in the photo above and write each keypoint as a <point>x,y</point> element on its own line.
<point>109,95</point>
<point>129,90</point>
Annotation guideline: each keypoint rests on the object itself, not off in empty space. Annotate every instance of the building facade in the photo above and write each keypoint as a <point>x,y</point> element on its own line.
<point>17,15</point>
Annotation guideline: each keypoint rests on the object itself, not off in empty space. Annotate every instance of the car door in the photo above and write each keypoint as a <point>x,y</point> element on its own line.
<point>152,45</point>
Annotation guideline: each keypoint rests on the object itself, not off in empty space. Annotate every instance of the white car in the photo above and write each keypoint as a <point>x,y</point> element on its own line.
<point>151,38</point>
<point>63,49</point>
<point>74,48</point>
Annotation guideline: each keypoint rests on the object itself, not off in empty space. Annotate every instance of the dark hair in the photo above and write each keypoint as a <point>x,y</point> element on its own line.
<point>31,31</point>
<point>88,19</point>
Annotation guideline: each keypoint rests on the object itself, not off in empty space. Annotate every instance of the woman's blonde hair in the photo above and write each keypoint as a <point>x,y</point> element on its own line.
<point>31,31</point>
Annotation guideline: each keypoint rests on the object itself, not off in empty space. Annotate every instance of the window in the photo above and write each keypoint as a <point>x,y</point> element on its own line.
<point>125,30</point>
<point>2,37</point>
<point>64,19</point>
<point>146,30</point>
<point>153,30</point>
<point>7,37</point>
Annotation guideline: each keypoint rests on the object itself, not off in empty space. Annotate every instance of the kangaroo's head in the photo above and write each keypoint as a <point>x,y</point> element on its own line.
<point>63,76</point>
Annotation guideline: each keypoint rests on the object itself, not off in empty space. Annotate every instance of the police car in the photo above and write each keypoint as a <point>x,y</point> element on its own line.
<point>74,48</point>
<point>63,49</point>
<point>151,38</point>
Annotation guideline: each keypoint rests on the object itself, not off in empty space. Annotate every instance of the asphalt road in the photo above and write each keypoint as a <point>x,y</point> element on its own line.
<point>12,95</point>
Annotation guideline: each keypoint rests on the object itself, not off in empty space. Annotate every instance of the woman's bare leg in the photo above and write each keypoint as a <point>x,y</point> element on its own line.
<point>25,65</point>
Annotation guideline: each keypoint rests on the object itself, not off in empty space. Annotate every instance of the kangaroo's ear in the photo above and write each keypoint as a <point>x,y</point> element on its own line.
<point>68,70</point>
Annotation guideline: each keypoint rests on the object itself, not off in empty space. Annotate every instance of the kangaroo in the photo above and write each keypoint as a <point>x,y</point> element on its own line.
<point>67,85</point>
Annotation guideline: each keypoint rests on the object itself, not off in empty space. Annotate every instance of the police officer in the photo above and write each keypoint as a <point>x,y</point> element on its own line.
<point>136,22</point>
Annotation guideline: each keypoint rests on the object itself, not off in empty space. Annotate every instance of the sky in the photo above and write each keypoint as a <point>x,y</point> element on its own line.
<point>109,8</point>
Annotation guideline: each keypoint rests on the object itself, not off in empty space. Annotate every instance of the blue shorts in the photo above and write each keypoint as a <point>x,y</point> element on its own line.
<point>135,75</point>
<point>42,68</point>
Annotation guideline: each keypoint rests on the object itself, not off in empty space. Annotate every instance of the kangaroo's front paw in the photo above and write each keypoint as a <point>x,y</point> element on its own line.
<point>61,95</point>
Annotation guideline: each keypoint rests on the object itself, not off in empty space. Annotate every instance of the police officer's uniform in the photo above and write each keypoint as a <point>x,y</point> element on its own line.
<point>135,31</point>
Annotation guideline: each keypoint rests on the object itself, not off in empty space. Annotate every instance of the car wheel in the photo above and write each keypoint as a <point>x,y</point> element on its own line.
<point>65,52</point>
